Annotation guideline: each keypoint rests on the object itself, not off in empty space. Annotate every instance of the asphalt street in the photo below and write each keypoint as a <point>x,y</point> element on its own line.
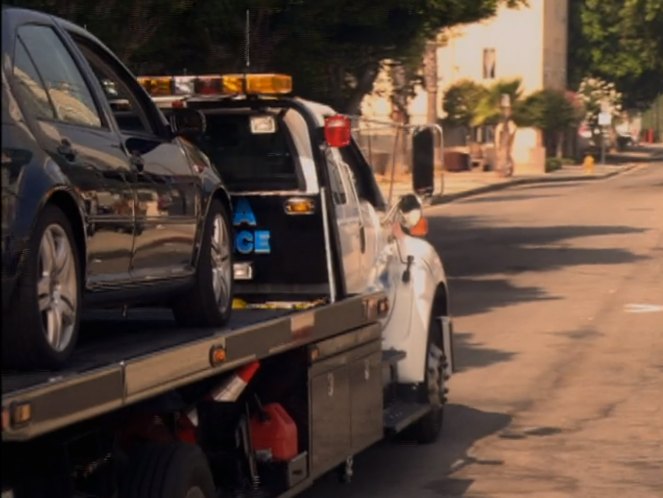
<point>557,293</point>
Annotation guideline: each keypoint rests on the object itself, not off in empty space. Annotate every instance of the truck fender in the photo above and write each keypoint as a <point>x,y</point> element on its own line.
<point>406,327</point>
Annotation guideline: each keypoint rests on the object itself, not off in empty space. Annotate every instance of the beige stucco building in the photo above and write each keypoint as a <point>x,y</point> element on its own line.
<point>529,42</point>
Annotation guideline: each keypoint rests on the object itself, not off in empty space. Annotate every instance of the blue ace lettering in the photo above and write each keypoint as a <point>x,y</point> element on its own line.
<point>249,241</point>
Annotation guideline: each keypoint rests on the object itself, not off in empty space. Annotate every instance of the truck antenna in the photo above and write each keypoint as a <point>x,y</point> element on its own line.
<point>247,41</point>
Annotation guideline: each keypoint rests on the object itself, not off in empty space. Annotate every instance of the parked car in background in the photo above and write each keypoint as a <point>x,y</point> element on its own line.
<point>104,203</point>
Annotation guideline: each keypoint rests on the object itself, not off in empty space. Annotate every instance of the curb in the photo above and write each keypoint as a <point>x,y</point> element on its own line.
<point>437,199</point>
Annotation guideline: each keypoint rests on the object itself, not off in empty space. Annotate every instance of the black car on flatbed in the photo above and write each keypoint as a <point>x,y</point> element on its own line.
<point>103,202</point>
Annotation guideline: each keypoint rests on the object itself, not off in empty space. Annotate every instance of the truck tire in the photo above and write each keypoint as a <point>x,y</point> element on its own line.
<point>172,470</point>
<point>428,428</point>
<point>209,302</point>
<point>44,314</point>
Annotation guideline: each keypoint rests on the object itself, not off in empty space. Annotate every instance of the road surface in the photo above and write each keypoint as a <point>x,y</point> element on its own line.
<point>557,292</point>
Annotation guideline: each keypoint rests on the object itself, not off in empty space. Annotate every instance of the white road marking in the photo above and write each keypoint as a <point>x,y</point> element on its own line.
<point>643,308</point>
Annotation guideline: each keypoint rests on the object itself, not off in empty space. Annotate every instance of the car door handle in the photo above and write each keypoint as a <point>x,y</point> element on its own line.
<point>137,161</point>
<point>66,150</point>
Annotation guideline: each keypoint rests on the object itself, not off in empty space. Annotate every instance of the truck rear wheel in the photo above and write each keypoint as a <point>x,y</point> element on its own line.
<point>173,470</point>
<point>429,427</point>
<point>209,303</point>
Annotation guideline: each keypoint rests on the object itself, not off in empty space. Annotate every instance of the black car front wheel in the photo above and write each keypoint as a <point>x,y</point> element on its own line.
<point>209,303</point>
<point>42,322</point>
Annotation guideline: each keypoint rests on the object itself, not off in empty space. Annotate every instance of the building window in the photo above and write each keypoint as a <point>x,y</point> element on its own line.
<point>488,63</point>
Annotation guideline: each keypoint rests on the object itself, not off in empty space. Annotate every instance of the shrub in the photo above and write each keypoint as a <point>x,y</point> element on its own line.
<point>553,164</point>
<point>460,102</point>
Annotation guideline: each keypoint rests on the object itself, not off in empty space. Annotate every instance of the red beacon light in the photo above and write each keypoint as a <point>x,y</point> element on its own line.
<point>337,130</point>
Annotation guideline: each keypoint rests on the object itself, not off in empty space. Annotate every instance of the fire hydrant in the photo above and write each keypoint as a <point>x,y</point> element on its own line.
<point>588,164</point>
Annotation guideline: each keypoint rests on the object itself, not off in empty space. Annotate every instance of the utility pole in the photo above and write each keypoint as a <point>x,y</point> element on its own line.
<point>430,78</point>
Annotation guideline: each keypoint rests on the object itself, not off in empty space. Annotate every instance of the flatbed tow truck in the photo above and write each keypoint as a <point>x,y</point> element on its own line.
<point>281,395</point>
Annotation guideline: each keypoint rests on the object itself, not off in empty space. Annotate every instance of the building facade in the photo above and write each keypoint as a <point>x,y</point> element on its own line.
<point>529,43</point>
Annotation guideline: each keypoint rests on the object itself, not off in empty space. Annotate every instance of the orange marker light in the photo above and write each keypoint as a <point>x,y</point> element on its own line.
<point>21,413</point>
<point>217,355</point>
<point>299,205</point>
<point>420,229</point>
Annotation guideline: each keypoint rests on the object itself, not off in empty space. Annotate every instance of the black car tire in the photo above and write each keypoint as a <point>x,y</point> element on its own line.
<point>172,470</point>
<point>429,427</point>
<point>199,306</point>
<point>24,339</point>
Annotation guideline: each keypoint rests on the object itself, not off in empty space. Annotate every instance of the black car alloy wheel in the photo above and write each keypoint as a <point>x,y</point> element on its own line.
<point>209,303</point>
<point>45,307</point>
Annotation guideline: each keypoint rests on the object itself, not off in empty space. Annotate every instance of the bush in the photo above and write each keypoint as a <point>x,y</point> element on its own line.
<point>553,164</point>
<point>460,102</point>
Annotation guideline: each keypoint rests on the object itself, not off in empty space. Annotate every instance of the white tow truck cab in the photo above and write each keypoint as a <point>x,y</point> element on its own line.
<point>341,333</point>
<point>286,161</point>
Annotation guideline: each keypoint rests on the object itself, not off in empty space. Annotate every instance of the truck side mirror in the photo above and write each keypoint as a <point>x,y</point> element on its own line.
<point>424,145</point>
<point>412,218</point>
<point>187,122</point>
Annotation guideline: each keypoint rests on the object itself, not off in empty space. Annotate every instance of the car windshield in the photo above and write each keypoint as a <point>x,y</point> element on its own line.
<point>249,160</point>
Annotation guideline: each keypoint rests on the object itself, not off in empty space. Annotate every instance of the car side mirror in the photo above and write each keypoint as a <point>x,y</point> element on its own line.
<point>187,122</point>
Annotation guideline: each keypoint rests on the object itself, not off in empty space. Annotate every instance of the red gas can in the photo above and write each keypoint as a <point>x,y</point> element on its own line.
<point>275,431</point>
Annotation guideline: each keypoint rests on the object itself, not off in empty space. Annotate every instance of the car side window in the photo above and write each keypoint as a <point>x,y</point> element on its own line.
<point>30,86</point>
<point>129,113</point>
<point>64,83</point>
<point>364,180</point>
<point>335,181</point>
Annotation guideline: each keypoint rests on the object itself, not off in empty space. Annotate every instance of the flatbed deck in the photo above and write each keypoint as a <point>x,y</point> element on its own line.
<point>122,361</point>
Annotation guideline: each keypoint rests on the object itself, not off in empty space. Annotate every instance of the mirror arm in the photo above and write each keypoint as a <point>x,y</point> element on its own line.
<point>390,215</point>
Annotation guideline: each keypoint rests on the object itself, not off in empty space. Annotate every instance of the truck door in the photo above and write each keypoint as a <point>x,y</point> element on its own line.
<point>351,228</point>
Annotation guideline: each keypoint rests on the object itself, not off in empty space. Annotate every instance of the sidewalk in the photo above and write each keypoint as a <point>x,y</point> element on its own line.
<point>467,183</point>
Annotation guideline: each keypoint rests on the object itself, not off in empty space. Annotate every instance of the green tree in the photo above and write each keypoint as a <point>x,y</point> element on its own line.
<point>594,93</point>
<point>553,112</point>
<point>620,41</point>
<point>488,110</point>
<point>461,101</point>
<point>333,48</point>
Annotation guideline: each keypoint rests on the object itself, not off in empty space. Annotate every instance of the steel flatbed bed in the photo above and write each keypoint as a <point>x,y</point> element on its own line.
<point>118,364</point>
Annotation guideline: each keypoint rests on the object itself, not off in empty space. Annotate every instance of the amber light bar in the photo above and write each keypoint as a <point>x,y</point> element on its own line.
<point>230,84</point>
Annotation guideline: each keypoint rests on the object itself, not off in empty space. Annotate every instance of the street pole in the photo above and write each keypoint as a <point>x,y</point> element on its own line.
<point>430,80</point>
<point>602,144</point>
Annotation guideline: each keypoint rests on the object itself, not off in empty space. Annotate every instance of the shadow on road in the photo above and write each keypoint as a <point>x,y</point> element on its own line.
<point>471,296</point>
<point>503,198</point>
<point>399,469</point>
<point>480,257</point>
<point>469,354</point>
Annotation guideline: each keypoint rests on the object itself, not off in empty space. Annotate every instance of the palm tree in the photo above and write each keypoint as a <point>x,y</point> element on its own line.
<point>488,110</point>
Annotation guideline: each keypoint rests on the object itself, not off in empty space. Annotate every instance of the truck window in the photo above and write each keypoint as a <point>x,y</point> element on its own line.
<point>337,188</point>
<point>250,161</point>
<point>64,82</point>
<point>364,180</point>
